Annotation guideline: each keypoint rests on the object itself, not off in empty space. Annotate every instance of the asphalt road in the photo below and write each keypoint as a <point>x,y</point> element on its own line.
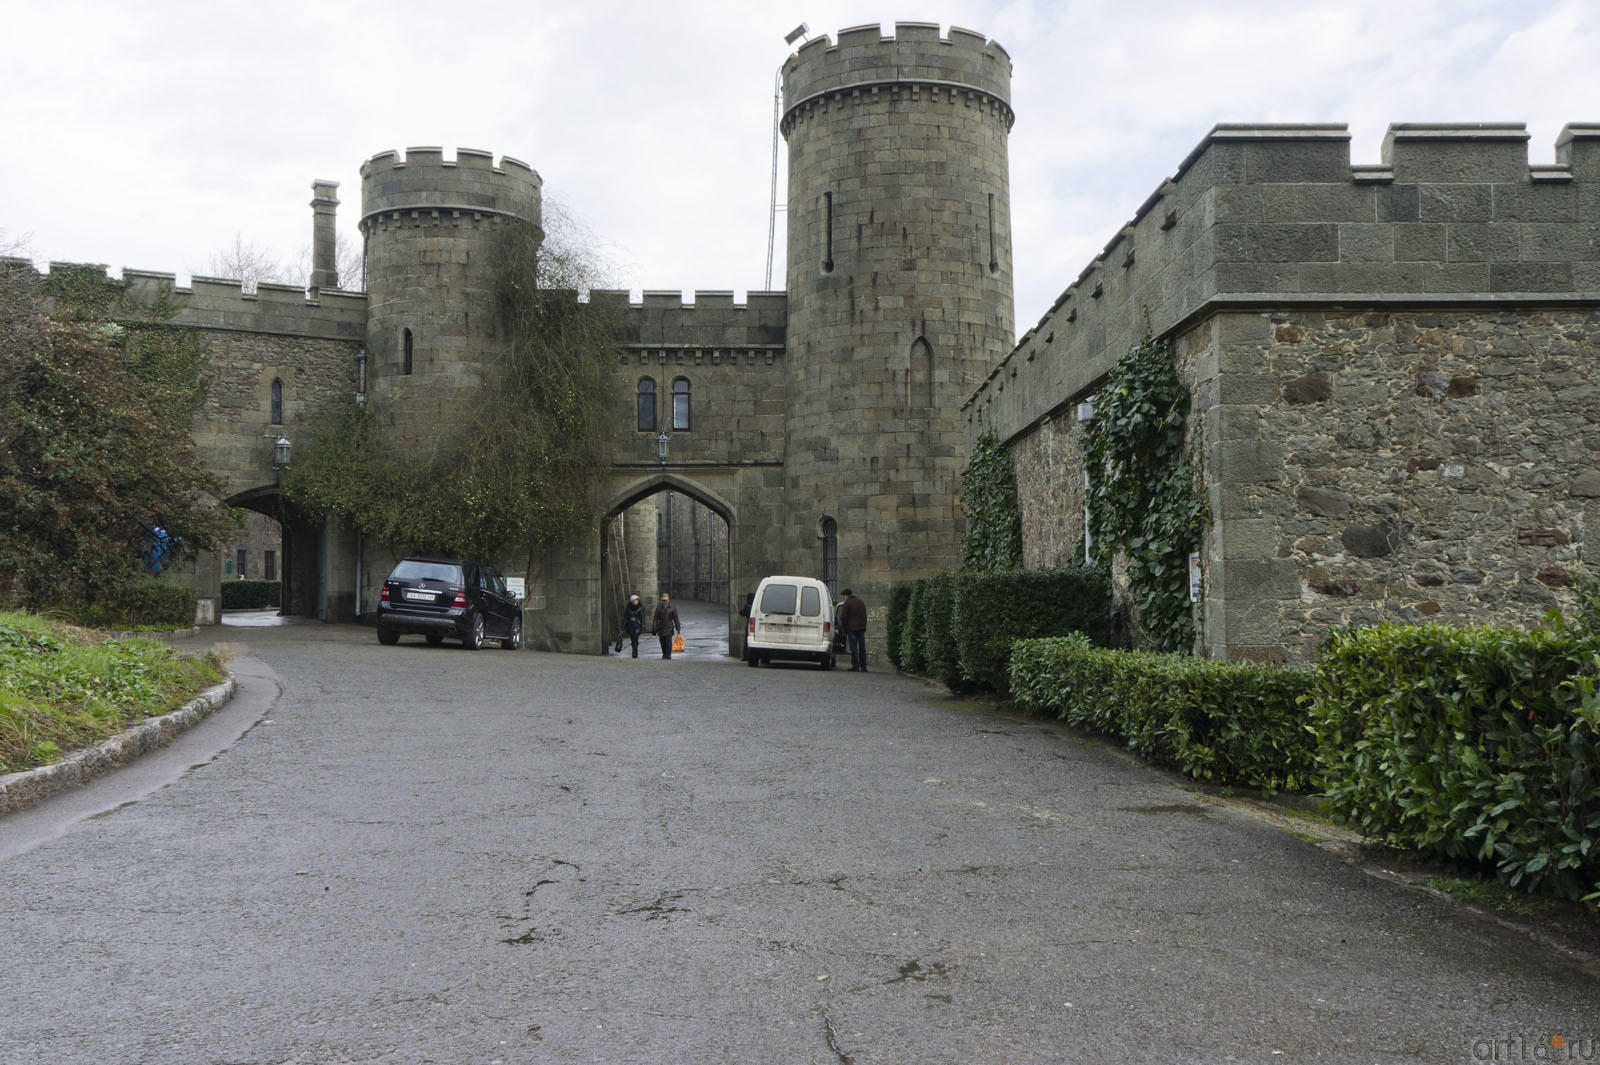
<point>430,855</point>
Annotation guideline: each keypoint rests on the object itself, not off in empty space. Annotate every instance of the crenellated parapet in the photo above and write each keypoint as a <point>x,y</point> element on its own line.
<point>1274,216</point>
<point>424,188</point>
<point>713,330</point>
<point>915,65</point>
<point>221,304</point>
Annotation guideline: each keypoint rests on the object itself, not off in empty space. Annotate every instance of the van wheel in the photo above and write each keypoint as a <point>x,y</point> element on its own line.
<point>827,661</point>
<point>752,659</point>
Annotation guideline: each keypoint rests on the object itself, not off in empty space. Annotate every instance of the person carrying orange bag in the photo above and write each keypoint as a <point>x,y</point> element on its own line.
<point>666,626</point>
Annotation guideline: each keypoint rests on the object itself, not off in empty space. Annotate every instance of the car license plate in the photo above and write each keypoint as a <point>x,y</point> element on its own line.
<point>426,597</point>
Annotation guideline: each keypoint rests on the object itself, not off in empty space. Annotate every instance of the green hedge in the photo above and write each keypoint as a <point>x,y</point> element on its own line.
<point>913,641</point>
<point>1480,745</point>
<point>251,595</point>
<point>1224,722</point>
<point>940,650</point>
<point>139,602</point>
<point>991,610</point>
<point>894,631</point>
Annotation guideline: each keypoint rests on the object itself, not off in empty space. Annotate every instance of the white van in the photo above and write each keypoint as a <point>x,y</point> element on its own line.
<point>790,618</point>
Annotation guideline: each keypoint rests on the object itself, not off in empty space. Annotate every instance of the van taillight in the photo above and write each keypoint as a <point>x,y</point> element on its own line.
<point>752,628</point>
<point>827,627</point>
<point>460,600</point>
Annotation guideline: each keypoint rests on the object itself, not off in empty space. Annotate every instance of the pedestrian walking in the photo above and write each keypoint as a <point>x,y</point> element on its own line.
<point>666,624</point>
<point>854,614</point>
<point>633,622</point>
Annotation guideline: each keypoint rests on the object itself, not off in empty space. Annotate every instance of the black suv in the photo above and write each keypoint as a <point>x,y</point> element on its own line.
<point>441,597</point>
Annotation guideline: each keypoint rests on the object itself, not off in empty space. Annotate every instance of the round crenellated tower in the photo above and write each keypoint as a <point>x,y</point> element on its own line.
<point>899,285</point>
<point>429,228</point>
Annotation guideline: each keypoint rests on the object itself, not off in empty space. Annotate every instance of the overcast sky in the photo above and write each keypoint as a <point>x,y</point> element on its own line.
<point>149,135</point>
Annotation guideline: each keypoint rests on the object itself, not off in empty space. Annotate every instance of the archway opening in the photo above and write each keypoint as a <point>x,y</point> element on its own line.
<point>667,540</point>
<point>276,543</point>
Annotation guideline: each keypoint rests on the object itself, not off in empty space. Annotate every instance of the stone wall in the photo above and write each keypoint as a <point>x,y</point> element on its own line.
<point>1392,374</point>
<point>1374,465</point>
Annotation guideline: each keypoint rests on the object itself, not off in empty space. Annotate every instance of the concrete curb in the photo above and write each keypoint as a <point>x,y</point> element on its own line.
<point>21,790</point>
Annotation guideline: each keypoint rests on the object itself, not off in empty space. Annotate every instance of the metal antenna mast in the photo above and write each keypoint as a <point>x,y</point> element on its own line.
<point>777,103</point>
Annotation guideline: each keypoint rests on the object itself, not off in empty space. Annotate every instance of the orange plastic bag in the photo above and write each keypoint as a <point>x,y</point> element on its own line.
<point>677,643</point>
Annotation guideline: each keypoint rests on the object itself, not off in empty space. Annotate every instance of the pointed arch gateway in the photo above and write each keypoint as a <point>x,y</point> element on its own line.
<point>647,549</point>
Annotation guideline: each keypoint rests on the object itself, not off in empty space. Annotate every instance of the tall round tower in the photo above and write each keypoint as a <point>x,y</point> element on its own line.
<point>429,227</point>
<point>899,281</point>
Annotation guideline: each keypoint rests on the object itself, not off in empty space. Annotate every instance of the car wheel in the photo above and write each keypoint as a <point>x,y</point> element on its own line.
<point>433,638</point>
<point>474,637</point>
<point>513,641</point>
<point>388,637</point>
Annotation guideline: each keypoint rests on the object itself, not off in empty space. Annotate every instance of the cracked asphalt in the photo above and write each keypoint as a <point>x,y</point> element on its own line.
<point>428,855</point>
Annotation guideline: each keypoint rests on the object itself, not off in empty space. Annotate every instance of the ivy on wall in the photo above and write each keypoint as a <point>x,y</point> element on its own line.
<point>1142,500</point>
<point>514,479</point>
<point>989,499</point>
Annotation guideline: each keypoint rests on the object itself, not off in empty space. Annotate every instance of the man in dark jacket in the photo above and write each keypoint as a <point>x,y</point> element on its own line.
<point>666,624</point>
<point>853,616</point>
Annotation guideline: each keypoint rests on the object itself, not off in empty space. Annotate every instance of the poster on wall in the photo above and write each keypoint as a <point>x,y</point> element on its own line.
<point>1194,577</point>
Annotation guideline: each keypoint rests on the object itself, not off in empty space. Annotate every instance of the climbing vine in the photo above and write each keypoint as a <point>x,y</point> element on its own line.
<point>989,500</point>
<point>515,476</point>
<point>1142,500</point>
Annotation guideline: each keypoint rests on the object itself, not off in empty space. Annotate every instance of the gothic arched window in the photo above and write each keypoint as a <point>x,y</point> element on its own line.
<point>277,401</point>
<point>647,405</point>
<point>680,404</point>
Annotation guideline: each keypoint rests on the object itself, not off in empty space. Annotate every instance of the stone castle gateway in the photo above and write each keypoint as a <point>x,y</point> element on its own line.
<point>1392,367</point>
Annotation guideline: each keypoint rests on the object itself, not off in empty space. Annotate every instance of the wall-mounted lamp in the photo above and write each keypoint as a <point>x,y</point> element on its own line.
<point>662,443</point>
<point>280,453</point>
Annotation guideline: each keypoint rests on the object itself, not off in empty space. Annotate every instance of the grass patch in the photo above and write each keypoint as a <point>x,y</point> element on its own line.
<point>1493,895</point>
<point>64,688</point>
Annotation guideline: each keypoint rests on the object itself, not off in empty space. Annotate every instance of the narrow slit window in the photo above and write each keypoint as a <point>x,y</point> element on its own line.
<point>647,405</point>
<point>830,556</point>
<point>277,401</point>
<point>680,404</point>
<point>827,261</point>
<point>994,260</point>
<point>405,359</point>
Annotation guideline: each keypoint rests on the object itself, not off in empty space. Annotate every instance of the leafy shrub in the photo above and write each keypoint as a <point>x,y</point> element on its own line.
<point>939,638</point>
<point>993,609</point>
<point>1224,722</point>
<point>913,640</point>
<point>140,602</point>
<point>251,595</point>
<point>1480,745</point>
<point>899,601</point>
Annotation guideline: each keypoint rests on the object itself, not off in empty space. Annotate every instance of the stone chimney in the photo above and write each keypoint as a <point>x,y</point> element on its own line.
<point>324,258</point>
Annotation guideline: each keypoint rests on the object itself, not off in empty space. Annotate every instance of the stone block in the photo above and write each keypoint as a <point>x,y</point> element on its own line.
<point>1561,242</point>
<point>1530,277</point>
<point>1286,242</point>
<point>1482,242</point>
<point>1249,461</point>
<point>1397,203</point>
<point>1342,202</point>
<point>1253,390</point>
<point>1536,203</point>
<point>1419,242</point>
<point>1485,152</point>
<point>1455,277</point>
<point>1455,203</point>
<point>1366,243</point>
<point>1296,160</point>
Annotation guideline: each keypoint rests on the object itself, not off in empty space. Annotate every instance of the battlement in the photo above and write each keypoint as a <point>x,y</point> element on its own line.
<point>916,57</point>
<point>1278,216</point>
<point>712,323</point>
<point>218,303</point>
<point>470,185</point>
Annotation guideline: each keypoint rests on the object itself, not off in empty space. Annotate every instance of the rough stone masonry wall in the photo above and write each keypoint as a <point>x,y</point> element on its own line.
<point>1401,466</point>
